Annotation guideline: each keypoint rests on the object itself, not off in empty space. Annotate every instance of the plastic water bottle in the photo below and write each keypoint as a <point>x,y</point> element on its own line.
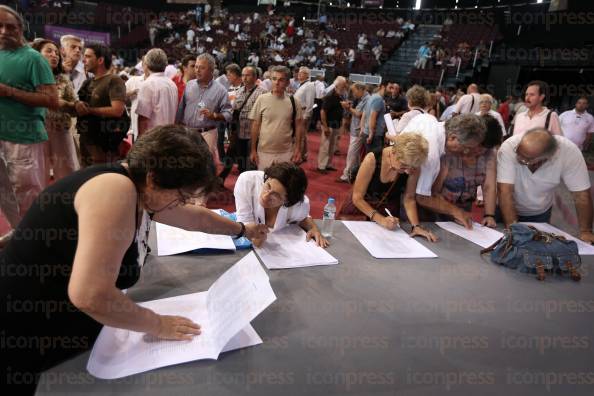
<point>201,106</point>
<point>328,218</point>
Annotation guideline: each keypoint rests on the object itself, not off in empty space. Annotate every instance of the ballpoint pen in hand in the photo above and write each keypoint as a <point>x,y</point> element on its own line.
<point>390,214</point>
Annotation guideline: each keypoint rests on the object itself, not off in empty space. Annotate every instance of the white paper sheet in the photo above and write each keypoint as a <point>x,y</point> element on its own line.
<point>287,248</point>
<point>584,248</point>
<point>391,124</point>
<point>383,243</point>
<point>224,313</point>
<point>172,240</point>
<point>480,235</point>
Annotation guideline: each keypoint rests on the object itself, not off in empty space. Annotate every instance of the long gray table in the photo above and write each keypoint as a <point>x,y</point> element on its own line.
<point>457,324</point>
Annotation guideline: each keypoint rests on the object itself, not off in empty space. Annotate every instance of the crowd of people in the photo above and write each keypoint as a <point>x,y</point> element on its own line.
<point>75,160</point>
<point>265,39</point>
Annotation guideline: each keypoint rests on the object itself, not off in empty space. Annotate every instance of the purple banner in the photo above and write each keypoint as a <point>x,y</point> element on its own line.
<point>55,32</point>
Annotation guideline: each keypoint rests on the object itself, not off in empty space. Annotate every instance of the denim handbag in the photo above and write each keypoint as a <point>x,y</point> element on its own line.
<point>527,249</point>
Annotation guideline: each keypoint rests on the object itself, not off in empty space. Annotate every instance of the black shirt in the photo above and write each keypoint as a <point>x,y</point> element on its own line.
<point>397,104</point>
<point>331,105</point>
<point>36,266</point>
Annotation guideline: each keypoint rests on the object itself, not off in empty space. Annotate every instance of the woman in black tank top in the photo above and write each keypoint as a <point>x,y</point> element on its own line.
<point>386,175</point>
<point>85,238</point>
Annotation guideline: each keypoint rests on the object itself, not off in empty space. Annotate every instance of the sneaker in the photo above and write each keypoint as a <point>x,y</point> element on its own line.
<point>341,180</point>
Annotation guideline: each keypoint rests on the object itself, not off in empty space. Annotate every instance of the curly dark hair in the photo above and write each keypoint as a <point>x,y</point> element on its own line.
<point>38,45</point>
<point>175,157</point>
<point>291,177</point>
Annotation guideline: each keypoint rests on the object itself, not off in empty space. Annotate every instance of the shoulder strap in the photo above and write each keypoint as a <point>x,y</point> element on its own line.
<point>472,104</point>
<point>387,193</point>
<point>548,121</point>
<point>294,114</point>
<point>246,99</point>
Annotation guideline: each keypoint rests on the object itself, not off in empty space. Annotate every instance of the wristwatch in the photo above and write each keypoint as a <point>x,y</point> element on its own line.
<point>242,232</point>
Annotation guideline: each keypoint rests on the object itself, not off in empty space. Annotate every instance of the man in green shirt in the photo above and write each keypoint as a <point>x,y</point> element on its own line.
<point>27,88</point>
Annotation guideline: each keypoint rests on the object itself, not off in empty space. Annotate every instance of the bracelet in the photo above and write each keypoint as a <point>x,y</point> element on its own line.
<point>242,232</point>
<point>373,212</point>
<point>489,215</point>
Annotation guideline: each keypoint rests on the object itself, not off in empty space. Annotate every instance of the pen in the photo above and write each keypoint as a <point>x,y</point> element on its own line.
<point>388,212</point>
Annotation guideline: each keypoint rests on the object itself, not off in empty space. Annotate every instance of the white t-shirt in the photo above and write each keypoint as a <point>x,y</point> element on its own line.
<point>157,100</point>
<point>577,126</point>
<point>134,83</point>
<point>468,103</point>
<point>306,94</point>
<point>407,117</point>
<point>523,122</point>
<point>247,203</point>
<point>434,132</point>
<point>534,192</point>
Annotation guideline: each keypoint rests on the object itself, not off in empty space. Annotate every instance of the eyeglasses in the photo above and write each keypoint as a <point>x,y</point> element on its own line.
<point>274,195</point>
<point>401,165</point>
<point>529,161</point>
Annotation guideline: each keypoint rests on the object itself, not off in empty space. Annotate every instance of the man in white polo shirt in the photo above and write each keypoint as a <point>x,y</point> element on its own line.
<point>578,124</point>
<point>157,96</point>
<point>529,169</point>
<point>469,103</point>
<point>537,116</point>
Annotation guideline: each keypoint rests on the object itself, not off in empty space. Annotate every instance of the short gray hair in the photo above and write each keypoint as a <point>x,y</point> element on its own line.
<point>360,86</point>
<point>209,59</point>
<point>305,69</point>
<point>417,96</point>
<point>486,98</point>
<point>19,19</point>
<point>15,14</point>
<point>281,69</point>
<point>71,37</point>
<point>155,60</point>
<point>467,128</point>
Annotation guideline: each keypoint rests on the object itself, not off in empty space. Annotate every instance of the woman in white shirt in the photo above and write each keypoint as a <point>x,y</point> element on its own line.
<point>275,197</point>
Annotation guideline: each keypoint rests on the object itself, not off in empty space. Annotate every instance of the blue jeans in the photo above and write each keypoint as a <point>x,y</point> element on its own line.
<point>541,218</point>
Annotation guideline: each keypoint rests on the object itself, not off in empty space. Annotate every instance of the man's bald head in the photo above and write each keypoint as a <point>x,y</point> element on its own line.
<point>537,142</point>
<point>472,88</point>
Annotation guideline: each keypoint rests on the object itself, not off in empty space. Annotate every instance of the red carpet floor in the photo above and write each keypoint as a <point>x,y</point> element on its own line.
<point>320,187</point>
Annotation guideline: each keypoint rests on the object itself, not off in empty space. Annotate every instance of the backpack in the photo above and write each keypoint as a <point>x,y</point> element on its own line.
<point>527,249</point>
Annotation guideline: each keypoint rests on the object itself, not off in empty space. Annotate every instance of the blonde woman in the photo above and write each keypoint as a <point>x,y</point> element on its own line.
<point>384,176</point>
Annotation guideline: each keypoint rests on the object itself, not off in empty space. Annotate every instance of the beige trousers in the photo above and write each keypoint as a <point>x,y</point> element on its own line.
<point>267,159</point>
<point>60,154</point>
<point>327,148</point>
<point>22,178</point>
